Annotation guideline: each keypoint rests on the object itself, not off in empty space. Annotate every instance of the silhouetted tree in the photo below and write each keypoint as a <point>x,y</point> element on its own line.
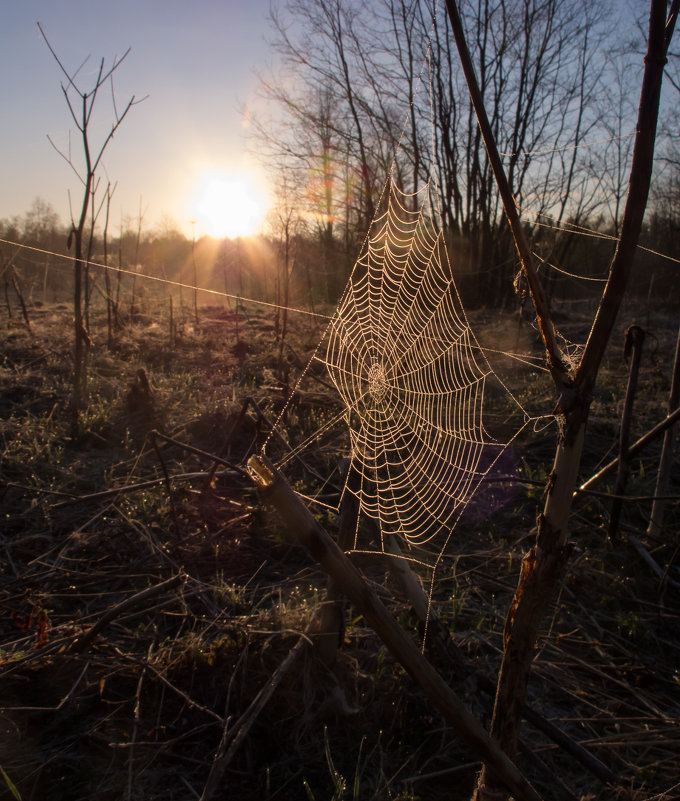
<point>395,101</point>
<point>81,104</point>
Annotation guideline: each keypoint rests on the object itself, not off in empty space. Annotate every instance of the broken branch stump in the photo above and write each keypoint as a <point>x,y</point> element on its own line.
<point>306,531</point>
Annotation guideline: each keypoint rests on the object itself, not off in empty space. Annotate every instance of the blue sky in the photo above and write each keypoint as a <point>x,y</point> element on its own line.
<point>197,62</point>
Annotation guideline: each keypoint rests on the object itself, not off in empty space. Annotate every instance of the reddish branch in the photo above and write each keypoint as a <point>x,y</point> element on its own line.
<point>543,566</point>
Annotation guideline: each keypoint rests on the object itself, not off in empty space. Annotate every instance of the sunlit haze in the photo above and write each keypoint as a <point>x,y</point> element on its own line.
<point>229,204</point>
<point>182,154</point>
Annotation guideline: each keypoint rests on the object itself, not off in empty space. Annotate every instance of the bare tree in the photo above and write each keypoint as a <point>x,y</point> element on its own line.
<point>325,64</point>
<point>81,104</point>
<point>286,223</point>
<point>397,104</point>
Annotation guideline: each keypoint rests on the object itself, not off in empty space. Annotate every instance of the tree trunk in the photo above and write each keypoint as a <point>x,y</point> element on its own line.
<point>543,566</point>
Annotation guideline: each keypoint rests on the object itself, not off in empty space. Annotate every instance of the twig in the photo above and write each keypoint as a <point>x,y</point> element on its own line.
<point>38,490</point>
<point>199,452</point>
<point>147,535</point>
<point>171,494</point>
<point>124,606</point>
<point>300,364</point>
<point>636,498</point>
<point>277,435</point>
<point>232,739</point>
<point>637,446</point>
<point>61,703</point>
<point>647,558</point>
<point>135,727</point>
<point>186,784</point>
<point>182,694</point>
<point>548,776</point>
<point>153,482</point>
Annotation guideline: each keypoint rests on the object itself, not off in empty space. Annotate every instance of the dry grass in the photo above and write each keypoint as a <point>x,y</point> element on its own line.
<point>137,709</point>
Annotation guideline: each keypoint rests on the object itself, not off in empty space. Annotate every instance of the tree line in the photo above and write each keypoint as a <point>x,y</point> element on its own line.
<point>364,89</point>
<point>361,90</point>
<point>36,255</point>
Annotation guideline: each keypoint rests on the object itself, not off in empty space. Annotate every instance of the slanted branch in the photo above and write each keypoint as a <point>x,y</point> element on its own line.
<point>303,529</point>
<point>543,565</point>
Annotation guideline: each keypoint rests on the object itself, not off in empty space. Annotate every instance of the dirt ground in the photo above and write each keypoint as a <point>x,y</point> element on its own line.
<point>148,596</point>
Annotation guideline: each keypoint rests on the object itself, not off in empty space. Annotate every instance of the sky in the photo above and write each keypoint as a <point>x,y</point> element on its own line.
<point>180,150</point>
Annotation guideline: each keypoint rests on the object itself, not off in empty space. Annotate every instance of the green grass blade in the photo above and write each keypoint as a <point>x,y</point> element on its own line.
<point>10,784</point>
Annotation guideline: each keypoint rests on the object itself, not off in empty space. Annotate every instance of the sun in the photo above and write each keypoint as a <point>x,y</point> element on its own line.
<point>229,204</point>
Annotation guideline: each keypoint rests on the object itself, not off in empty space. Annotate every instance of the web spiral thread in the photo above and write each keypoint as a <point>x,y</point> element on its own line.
<point>411,376</point>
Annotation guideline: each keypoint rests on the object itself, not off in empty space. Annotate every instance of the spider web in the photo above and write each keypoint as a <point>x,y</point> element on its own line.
<point>412,378</point>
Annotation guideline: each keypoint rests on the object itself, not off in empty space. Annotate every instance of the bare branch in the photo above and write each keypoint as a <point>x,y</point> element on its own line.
<point>116,63</point>
<point>92,96</point>
<point>670,24</point>
<point>70,107</point>
<point>672,81</point>
<point>555,362</point>
<point>113,130</point>
<point>640,179</point>
<point>67,159</point>
<point>58,60</point>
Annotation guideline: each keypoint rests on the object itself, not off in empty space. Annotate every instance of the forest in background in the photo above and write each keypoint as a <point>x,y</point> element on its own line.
<point>364,90</point>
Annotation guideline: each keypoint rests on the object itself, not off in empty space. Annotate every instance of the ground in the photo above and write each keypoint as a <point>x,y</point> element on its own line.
<point>110,693</point>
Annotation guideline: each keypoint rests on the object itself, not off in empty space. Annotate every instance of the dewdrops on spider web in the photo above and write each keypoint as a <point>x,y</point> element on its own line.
<point>412,379</point>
